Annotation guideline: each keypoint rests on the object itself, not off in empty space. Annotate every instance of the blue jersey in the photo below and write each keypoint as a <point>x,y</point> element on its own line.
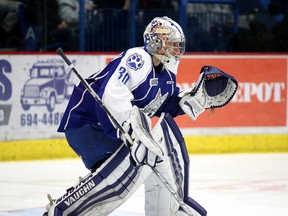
<point>129,79</point>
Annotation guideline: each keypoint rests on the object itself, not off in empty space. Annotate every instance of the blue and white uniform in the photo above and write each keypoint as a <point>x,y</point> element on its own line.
<point>130,79</point>
<point>133,90</point>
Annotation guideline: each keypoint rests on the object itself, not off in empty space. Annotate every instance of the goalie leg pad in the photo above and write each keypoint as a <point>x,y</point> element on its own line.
<point>175,169</point>
<point>101,192</point>
<point>158,200</point>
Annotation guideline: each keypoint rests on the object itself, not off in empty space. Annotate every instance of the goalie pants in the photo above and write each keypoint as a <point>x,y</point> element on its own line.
<point>91,144</point>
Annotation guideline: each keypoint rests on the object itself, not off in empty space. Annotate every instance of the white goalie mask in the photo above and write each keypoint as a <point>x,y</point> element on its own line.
<point>164,38</point>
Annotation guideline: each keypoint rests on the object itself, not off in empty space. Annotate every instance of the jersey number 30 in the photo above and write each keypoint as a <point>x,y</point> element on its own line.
<point>123,75</point>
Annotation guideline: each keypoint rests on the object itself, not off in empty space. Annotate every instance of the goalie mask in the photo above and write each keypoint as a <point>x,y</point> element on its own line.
<point>164,38</point>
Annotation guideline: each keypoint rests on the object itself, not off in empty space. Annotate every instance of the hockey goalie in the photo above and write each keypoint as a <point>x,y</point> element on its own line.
<point>115,138</point>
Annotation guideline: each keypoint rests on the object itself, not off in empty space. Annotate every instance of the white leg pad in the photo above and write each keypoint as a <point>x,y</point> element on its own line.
<point>158,200</point>
<point>101,192</point>
<point>174,168</point>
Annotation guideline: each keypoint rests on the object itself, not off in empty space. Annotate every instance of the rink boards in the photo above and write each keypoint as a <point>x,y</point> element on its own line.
<point>255,120</point>
<point>58,148</point>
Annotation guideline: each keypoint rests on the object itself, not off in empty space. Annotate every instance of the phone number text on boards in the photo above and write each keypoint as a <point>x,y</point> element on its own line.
<point>30,119</point>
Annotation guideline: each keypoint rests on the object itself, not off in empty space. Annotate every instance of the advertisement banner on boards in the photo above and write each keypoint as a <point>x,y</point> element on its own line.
<point>261,98</point>
<point>34,91</point>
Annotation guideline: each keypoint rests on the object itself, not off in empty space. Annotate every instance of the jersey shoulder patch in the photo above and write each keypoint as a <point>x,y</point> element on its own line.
<point>135,61</point>
<point>137,58</point>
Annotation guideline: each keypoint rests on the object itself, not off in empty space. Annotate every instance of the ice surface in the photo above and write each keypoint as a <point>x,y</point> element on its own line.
<point>225,185</point>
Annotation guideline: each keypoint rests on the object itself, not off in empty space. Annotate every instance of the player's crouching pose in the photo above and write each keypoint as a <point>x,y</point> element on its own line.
<point>137,85</point>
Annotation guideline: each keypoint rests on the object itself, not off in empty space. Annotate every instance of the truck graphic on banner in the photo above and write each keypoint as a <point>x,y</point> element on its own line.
<point>48,85</point>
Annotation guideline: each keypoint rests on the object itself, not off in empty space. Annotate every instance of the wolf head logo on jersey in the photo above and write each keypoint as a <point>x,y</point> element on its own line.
<point>135,61</point>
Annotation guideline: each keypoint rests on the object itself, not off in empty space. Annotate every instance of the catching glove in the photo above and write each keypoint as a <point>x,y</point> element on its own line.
<point>213,89</point>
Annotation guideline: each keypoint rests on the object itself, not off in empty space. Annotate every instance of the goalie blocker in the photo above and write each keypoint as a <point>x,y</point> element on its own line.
<point>102,191</point>
<point>213,89</point>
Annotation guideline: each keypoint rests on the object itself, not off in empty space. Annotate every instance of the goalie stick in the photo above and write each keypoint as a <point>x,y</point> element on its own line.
<point>183,205</point>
